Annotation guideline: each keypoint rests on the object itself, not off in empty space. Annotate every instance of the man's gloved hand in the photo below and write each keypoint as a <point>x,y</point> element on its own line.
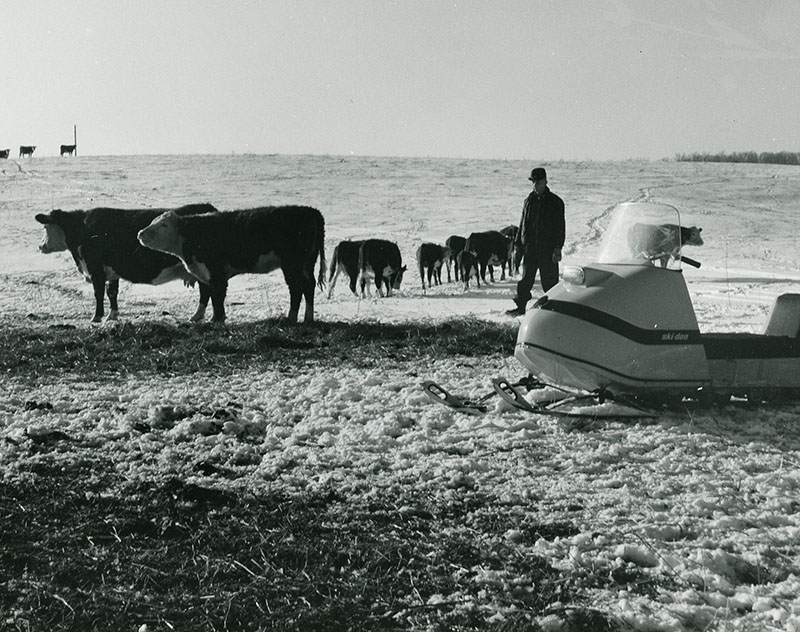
<point>556,255</point>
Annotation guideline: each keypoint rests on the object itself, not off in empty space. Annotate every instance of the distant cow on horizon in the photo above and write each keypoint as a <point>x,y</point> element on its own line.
<point>661,242</point>
<point>26,150</point>
<point>68,149</point>
<point>4,153</point>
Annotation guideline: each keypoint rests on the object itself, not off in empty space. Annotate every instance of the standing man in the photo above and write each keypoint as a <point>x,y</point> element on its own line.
<point>541,237</point>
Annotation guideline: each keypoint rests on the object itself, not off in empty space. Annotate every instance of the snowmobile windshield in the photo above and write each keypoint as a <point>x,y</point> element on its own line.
<point>643,233</point>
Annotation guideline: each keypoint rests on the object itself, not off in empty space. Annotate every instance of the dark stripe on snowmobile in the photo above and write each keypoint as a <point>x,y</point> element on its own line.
<point>623,327</point>
<point>749,347</point>
<point>686,383</point>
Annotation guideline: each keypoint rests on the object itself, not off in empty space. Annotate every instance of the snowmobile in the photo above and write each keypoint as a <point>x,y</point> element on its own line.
<point>623,331</point>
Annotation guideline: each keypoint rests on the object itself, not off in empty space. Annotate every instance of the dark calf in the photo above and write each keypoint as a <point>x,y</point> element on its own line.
<point>431,257</point>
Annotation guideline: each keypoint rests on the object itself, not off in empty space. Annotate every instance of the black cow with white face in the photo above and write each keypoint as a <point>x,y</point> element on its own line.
<point>215,248</point>
<point>467,264</point>
<point>345,257</point>
<point>456,244</point>
<point>489,248</point>
<point>431,257</point>
<point>4,153</point>
<point>380,259</point>
<point>103,244</point>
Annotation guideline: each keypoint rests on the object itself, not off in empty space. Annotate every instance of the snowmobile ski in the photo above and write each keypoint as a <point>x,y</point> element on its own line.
<point>439,393</point>
<point>587,405</point>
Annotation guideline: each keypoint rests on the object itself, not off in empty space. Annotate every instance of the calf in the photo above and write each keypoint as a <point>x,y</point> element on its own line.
<point>215,248</point>
<point>103,244</point>
<point>26,150</point>
<point>68,149</point>
<point>514,249</point>
<point>467,263</point>
<point>4,153</point>
<point>345,257</point>
<point>456,244</point>
<point>489,249</point>
<point>380,259</point>
<point>431,257</point>
<point>661,242</point>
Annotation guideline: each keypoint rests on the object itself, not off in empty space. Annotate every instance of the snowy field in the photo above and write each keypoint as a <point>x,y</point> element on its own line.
<point>708,501</point>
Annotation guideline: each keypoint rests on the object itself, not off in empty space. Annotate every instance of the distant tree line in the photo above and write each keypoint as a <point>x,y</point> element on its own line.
<point>765,157</point>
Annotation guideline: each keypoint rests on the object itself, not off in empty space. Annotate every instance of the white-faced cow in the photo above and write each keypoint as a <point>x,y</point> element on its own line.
<point>26,150</point>
<point>661,242</point>
<point>67,149</point>
<point>380,259</point>
<point>467,265</point>
<point>345,257</point>
<point>456,244</point>
<point>514,253</point>
<point>489,248</point>
<point>103,244</point>
<point>215,248</point>
<point>4,153</point>
<point>431,257</point>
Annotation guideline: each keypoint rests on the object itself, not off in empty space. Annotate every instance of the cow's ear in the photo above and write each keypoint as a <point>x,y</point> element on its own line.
<point>43,218</point>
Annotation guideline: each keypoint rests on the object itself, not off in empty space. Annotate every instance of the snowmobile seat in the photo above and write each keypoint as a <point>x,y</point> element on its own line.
<point>785,317</point>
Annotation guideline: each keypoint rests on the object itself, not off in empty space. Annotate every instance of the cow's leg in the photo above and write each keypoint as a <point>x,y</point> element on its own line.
<point>295,295</point>
<point>202,303</point>
<point>491,272</point>
<point>99,286</point>
<point>482,270</point>
<point>379,284</point>
<point>448,272</point>
<point>308,294</point>
<point>112,291</point>
<point>431,272</point>
<point>219,288</point>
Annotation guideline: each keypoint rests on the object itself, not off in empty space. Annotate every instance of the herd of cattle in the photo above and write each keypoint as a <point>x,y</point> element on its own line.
<point>198,243</point>
<point>27,151</point>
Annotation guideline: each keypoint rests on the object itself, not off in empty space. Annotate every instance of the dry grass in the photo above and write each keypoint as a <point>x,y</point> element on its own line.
<point>82,547</point>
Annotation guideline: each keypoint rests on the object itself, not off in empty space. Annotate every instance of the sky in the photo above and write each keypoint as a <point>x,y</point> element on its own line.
<point>529,79</point>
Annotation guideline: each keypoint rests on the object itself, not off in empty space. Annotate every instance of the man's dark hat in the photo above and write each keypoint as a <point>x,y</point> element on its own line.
<point>538,174</point>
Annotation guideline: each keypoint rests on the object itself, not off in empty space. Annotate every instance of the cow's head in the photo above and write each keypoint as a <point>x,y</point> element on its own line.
<point>163,234</point>
<point>397,278</point>
<point>691,236</point>
<point>55,237</point>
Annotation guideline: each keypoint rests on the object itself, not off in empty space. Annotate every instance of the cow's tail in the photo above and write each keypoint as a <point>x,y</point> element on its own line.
<point>321,252</point>
<point>332,268</point>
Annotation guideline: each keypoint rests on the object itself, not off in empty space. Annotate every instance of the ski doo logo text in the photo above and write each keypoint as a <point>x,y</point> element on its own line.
<point>672,336</point>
